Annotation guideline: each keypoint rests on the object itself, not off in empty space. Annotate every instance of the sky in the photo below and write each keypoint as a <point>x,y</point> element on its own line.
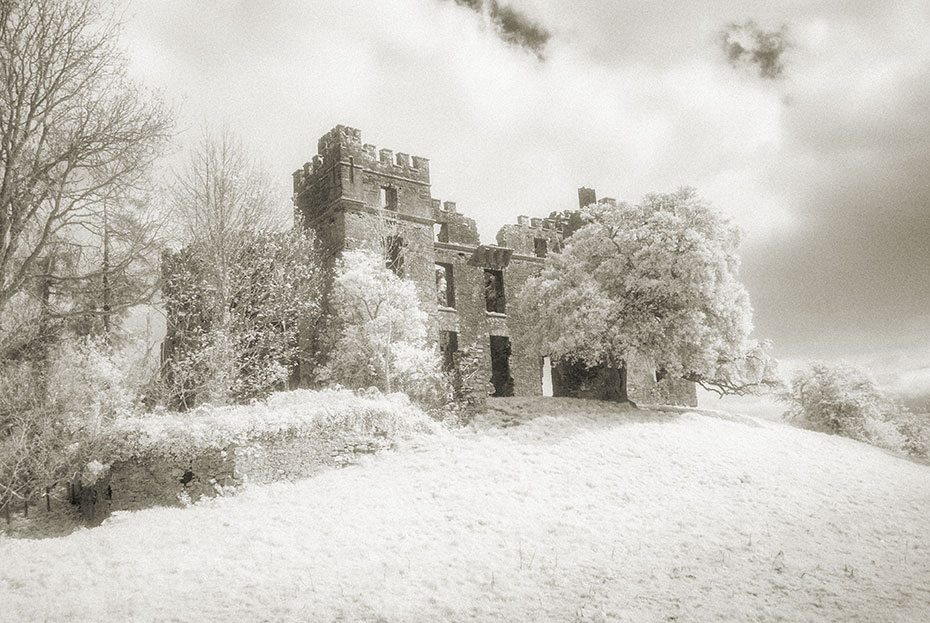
<point>807,123</point>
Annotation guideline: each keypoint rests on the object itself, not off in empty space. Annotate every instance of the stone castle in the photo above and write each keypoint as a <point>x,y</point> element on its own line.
<point>355,196</point>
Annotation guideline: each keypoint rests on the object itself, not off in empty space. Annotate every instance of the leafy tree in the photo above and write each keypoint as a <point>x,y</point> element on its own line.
<point>273,300</point>
<point>77,139</point>
<point>655,281</point>
<point>383,340</point>
<point>219,197</point>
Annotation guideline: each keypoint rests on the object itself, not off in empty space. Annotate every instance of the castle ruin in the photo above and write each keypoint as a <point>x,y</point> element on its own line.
<point>354,196</point>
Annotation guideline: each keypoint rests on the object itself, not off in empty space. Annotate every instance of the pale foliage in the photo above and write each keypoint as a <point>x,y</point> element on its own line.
<point>248,346</point>
<point>90,384</point>
<point>383,341</point>
<point>50,422</point>
<point>299,413</point>
<point>657,280</point>
<point>843,400</point>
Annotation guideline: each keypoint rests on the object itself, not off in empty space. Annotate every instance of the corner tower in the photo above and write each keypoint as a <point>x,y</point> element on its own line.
<point>354,196</point>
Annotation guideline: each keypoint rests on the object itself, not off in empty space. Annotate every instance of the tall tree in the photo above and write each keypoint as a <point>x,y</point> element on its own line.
<point>76,134</point>
<point>222,202</point>
<point>383,338</point>
<point>657,280</point>
<point>218,197</point>
<point>274,306</point>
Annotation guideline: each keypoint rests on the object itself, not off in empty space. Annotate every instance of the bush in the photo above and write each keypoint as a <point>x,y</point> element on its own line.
<point>915,429</point>
<point>383,333</point>
<point>90,383</point>
<point>53,414</point>
<point>843,400</point>
<point>299,413</point>
<point>247,344</point>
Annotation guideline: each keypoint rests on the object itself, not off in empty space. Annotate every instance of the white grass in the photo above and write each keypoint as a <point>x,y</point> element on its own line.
<point>592,513</point>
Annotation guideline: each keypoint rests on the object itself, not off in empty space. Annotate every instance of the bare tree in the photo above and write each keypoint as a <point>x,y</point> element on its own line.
<point>218,197</point>
<point>219,201</point>
<point>76,136</point>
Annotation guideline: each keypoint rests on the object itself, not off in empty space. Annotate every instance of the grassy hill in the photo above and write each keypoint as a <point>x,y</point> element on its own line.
<point>542,510</point>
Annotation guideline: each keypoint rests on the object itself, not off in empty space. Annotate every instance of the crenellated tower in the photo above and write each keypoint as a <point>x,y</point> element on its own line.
<point>353,195</point>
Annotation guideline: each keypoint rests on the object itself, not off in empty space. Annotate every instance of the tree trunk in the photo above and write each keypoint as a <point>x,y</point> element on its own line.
<point>387,360</point>
<point>106,275</point>
<point>601,382</point>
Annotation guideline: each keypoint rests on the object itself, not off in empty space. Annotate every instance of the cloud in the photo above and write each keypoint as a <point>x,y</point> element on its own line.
<point>831,190</point>
<point>748,45</point>
<point>512,25</point>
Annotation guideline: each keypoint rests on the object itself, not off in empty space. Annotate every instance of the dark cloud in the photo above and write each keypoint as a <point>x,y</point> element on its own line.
<point>511,25</point>
<point>854,276</point>
<point>748,45</point>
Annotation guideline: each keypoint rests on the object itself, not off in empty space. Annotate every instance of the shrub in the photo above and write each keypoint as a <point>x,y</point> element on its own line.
<point>53,414</point>
<point>245,343</point>
<point>383,338</point>
<point>299,413</point>
<point>843,400</point>
<point>915,429</point>
<point>89,383</point>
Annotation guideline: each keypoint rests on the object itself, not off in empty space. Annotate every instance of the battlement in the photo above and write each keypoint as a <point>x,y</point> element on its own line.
<point>547,224</point>
<point>531,236</point>
<point>344,144</point>
<point>454,228</point>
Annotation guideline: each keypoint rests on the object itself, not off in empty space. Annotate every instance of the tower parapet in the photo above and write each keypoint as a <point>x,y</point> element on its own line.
<point>453,228</point>
<point>346,171</point>
<point>531,236</point>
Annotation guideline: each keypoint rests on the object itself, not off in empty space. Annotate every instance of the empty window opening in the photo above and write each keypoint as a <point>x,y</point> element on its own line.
<point>501,380</point>
<point>388,198</point>
<point>546,376</point>
<point>445,286</point>
<point>661,373</point>
<point>394,254</point>
<point>541,247</point>
<point>494,291</point>
<point>448,346</point>
<point>442,232</point>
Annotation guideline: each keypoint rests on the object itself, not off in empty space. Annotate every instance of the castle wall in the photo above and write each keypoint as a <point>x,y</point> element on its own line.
<point>364,230</point>
<point>526,366</point>
<point>356,196</point>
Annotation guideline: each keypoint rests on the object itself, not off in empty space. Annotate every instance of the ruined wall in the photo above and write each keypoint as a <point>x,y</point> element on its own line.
<point>346,173</point>
<point>161,481</point>
<point>354,195</point>
<point>471,320</point>
<point>453,227</point>
<point>643,388</point>
<point>522,236</point>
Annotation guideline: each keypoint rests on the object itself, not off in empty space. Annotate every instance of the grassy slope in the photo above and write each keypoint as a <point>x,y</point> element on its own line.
<point>593,514</point>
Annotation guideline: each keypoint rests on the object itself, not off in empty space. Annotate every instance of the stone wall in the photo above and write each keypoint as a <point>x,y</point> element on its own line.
<point>162,481</point>
<point>643,388</point>
<point>339,195</point>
